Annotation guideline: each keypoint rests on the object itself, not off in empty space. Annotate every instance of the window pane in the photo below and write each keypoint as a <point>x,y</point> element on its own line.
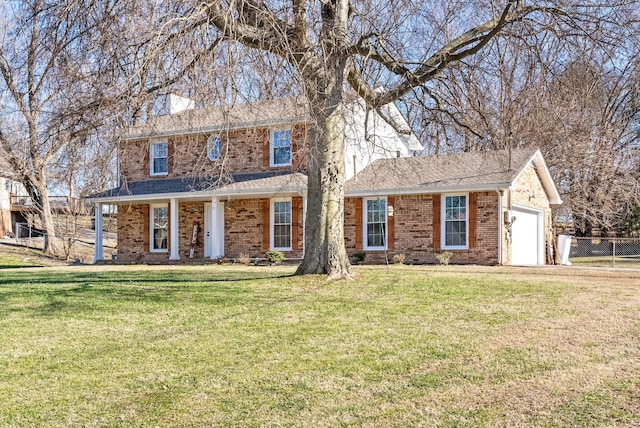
<point>159,155</point>
<point>282,224</point>
<point>281,147</point>
<point>160,165</point>
<point>455,221</point>
<point>281,156</point>
<point>160,228</point>
<point>376,222</point>
<point>214,148</point>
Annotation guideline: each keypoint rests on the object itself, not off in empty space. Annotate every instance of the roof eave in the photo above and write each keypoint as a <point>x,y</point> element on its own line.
<point>422,191</point>
<point>214,128</point>
<point>266,191</point>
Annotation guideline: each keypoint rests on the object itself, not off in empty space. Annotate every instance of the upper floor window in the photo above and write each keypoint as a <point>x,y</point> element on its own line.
<point>280,148</point>
<point>159,158</point>
<point>375,223</point>
<point>159,228</point>
<point>281,224</point>
<point>455,224</point>
<point>214,148</point>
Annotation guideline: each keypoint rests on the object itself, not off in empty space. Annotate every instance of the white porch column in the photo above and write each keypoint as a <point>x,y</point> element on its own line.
<point>175,245</point>
<point>98,234</point>
<point>213,227</point>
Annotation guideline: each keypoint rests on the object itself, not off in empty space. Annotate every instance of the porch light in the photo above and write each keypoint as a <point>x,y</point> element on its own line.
<point>390,210</point>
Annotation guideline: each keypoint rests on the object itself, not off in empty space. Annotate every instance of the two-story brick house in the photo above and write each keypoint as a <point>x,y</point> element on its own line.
<point>221,182</point>
<point>208,183</point>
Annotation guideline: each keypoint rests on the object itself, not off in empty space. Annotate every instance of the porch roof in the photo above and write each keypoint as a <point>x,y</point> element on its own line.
<point>234,185</point>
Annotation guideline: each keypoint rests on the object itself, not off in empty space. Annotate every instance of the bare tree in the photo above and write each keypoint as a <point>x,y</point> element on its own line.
<point>48,84</point>
<point>382,51</point>
<point>576,98</point>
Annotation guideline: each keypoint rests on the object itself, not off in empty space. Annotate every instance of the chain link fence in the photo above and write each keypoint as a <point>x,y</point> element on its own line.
<point>605,252</point>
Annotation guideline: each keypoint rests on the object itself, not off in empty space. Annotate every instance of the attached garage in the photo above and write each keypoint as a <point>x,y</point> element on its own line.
<point>527,236</point>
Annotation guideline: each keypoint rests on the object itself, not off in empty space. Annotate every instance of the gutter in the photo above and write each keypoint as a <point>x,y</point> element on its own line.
<point>213,129</point>
<point>499,227</point>
<point>194,195</point>
<point>422,191</point>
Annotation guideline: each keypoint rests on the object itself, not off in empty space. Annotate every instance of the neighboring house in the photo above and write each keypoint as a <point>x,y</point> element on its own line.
<point>5,206</point>
<point>12,194</point>
<point>484,208</point>
<point>224,182</point>
<point>208,183</point>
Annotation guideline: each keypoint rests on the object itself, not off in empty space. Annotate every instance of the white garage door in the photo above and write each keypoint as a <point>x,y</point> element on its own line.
<point>526,242</point>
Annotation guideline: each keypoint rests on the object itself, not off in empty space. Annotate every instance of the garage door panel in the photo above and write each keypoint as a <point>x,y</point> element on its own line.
<point>525,238</point>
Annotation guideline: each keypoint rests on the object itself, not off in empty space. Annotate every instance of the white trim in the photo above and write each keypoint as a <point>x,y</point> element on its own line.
<point>174,243</point>
<point>500,220</point>
<point>270,191</point>
<point>271,147</point>
<point>272,224</point>
<point>544,175</point>
<point>426,191</point>
<point>98,234</point>
<point>443,222</point>
<point>280,122</point>
<point>151,157</point>
<point>152,248</point>
<point>364,225</point>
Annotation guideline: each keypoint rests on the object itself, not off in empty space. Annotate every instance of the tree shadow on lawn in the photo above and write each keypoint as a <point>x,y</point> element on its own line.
<point>71,292</point>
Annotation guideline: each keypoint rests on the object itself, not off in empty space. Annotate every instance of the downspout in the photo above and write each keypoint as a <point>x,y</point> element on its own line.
<point>499,226</point>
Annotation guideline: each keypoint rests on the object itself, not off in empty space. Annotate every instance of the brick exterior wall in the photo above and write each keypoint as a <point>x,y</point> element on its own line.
<point>243,151</point>
<point>244,228</point>
<point>414,231</point>
<point>243,223</point>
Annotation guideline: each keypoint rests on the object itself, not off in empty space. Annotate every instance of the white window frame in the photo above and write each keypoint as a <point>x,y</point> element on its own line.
<point>152,158</point>
<point>218,143</point>
<point>272,133</point>
<point>443,222</point>
<point>365,229</point>
<point>152,240</point>
<point>272,224</point>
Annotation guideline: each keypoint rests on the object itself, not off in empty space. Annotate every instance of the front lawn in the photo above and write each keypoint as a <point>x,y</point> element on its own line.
<point>254,346</point>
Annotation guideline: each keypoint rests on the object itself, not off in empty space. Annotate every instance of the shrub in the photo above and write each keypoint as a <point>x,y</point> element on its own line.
<point>357,257</point>
<point>244,259</point>
<point>398,259</point>
<point>275,256</point>
<point>444,258</point>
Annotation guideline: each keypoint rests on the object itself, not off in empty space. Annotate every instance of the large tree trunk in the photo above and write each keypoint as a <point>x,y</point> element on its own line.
<point>40,197</point>
<point>325,251</point>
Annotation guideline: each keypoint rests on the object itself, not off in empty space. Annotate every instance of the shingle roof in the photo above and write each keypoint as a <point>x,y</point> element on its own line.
<point>440,173</point>
<point>212,119</point>
<point>254,183</point>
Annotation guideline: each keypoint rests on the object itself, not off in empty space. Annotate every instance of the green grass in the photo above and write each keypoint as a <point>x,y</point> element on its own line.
<point>631,262</point>
<point>14,261</point>
<point>238,346</point>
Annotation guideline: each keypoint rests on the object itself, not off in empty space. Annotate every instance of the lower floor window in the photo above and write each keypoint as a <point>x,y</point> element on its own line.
<point>455,221</point>
<point>159,228</point>
<point>281,219</point>
<point>375,223</point>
